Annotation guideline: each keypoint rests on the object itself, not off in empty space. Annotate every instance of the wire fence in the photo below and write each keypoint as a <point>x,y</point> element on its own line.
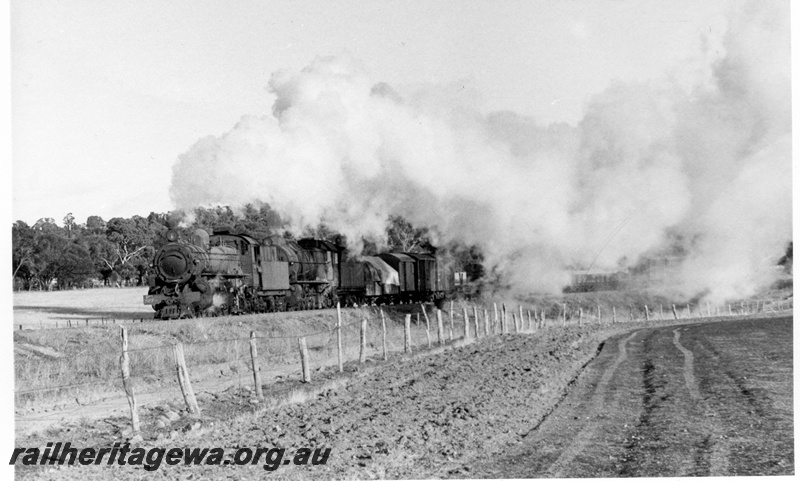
<point>94,377</point>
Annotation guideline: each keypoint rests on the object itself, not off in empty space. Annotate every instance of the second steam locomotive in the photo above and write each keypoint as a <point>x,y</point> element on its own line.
<point>228,273</point>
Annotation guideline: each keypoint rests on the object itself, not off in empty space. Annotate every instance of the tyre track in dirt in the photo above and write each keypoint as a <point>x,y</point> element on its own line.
<point>699,400</point>
<point>597,404</point>
<point>688,366</point>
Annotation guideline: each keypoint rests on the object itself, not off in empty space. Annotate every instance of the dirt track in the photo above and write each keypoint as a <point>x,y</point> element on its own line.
<point>701,400</point>
<point>487,410</point>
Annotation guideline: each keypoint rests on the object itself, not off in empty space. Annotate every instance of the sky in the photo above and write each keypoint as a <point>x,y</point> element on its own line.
<point>107,95</point>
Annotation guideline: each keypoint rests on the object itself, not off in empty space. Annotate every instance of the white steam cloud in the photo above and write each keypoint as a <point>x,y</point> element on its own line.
<point>707,161</point>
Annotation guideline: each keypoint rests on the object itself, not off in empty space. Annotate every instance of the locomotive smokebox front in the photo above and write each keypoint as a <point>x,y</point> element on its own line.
<point>177,263</point>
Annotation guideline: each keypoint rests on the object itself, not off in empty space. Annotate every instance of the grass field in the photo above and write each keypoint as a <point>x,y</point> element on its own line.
<point>35,307</point>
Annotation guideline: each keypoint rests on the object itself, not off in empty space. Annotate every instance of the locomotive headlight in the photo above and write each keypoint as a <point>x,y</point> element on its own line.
<point>172,235</point>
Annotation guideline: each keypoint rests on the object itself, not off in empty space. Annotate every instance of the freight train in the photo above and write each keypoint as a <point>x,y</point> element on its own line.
<point>226,273</point>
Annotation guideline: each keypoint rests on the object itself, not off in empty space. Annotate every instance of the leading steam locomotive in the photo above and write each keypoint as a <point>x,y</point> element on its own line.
<point>225,273</point>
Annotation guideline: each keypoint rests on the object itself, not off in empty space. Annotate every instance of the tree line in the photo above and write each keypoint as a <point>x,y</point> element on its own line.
<point>119,252</point>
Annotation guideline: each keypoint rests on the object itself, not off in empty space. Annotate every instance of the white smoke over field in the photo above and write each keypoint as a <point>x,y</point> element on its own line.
<point>707,161</point>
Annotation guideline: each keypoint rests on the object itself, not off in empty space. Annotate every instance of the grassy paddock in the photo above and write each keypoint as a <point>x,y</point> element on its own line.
<point>213,347</point>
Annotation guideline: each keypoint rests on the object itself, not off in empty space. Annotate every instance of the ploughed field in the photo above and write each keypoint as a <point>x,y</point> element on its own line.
<point>666,398</point>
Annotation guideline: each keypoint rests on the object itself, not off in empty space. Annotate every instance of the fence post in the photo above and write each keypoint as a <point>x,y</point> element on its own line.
<point>407,335</point>
<point>613,314</point>
<point>477,324</point>
<point>660,312</point>
<point>599,318</point>
<point>383,325</point>
<point>496,320</point>
<point>362,356</point>
<point>514,318</point>
<point>688,310</point>
<point>674,312</point>
<point>580,316</point>
<point>451,321</point>
<point>466,324</point>
<point>521,319</point>
<point>183,379</point>
<point>646,313</point>
<point>303,346</point>
<point>630,306</point>
<point>730,310</point>
<point>564,315</point>
<point>125,367</point>
<point>544,318</point>
<point>427,325</point>
<point>440,326</point>
<point>254,360</point>
<point>339,335</point>
<point>69,323</point>
<point>486,322</point>
<point>531,327</point>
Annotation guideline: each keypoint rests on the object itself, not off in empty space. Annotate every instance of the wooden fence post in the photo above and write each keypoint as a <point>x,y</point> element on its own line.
<point>564,316</point>
<point>730,310</point>
<point>486,322</point>
<point>514,319</point>
<point>660,312</point>
<point>688,310</point>
<point>339,335</point>
<point>362,356</point>
<point>407,335</point>
<point>674,312</point>
<point>580,316</point>
<point>521,319</point>
<point>466,324</point>
<point>451,321</point>
<point>124,364</point>
<point>383,325</point>
<point>183,379</point>
<point>427,327</point>
<point>303,346</point>
<point>544,318</point>
<point>613,314</point>
<point>599,318</point>
<point>630,306</point>
<point>477,324</point>
<point>531,327</point>
<point>496,320</point>
<point>254,360</point>
<point>503,319</point>
<point>646,313</point>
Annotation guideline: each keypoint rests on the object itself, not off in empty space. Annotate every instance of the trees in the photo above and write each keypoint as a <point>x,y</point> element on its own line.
<point>74,253</point>
<point>404,237</point>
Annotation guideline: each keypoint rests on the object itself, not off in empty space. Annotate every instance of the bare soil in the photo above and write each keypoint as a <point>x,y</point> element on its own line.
<point>700,400</point>
<point>480,410</point>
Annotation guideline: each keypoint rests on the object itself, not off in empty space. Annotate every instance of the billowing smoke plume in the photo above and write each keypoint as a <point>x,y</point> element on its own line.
<point>705,162</point>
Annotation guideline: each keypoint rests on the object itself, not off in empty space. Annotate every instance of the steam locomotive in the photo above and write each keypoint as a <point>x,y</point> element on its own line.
<point>225,273</point>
